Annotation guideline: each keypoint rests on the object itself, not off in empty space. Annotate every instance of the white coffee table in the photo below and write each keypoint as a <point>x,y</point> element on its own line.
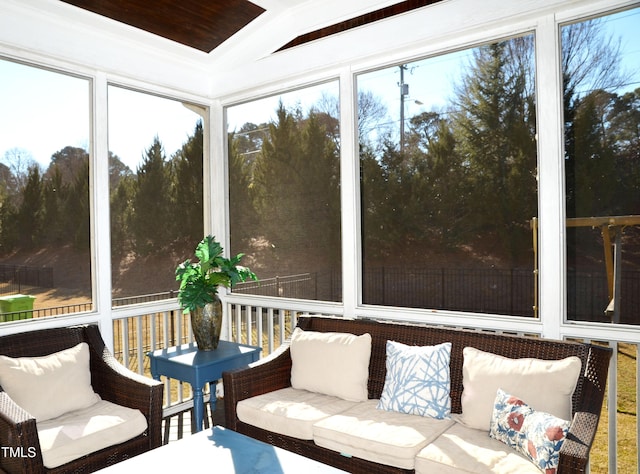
<point>222,451</point>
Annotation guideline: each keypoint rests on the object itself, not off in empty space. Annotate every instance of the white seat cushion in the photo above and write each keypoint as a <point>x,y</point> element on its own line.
<point>290,411</point>
<point>81,432</point>
<point>385,437</point>
<point>461,449</point>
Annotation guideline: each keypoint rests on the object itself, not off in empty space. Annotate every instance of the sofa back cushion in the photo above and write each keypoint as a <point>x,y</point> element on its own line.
<point>49,386</point>
<point>331,363</point>
<point>546,385</point>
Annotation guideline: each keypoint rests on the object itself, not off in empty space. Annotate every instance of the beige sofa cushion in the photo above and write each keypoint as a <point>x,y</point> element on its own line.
<point>290,411</point>
<point>51,385</point>
<point>466,450</point>
<point>546,385</point>
<point>331,363</point>
<point>384,437</point>
<point>81,432</point>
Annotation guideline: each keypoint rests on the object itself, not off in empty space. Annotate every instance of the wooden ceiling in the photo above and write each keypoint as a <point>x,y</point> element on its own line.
<point>205,24</point>
<point>401,7</point>
<point>200,24</point>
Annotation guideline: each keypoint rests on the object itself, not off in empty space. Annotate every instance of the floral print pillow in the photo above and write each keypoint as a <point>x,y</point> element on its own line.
<point>535,434</point>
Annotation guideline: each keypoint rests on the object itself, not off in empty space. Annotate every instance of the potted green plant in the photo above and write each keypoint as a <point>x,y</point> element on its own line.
<point>198,293</point>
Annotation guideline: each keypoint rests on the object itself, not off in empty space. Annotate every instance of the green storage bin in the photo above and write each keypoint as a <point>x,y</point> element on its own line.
<point>17,306</point>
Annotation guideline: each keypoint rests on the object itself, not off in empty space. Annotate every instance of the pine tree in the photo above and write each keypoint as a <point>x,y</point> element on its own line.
<point>495,127</point>
<point>188,208</point>
<point>151,217</point>
<point>29,216</point>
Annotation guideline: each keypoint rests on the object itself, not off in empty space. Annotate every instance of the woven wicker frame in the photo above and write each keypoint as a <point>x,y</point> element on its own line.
<point>274,372</point>
<point>111,380</point>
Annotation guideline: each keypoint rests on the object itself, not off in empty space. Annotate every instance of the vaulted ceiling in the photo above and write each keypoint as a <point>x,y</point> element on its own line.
<point>206,24</point>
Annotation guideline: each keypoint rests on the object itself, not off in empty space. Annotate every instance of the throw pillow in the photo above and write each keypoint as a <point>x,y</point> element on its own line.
<point>537,435</point>
<point>547,385</point>
<point>52,385</point>
<point>331,363</point>
<point>418,380</point>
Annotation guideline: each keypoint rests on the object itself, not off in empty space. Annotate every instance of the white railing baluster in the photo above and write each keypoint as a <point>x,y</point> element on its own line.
<point>125,342</point>
<point>248,312</point>
<point>238,322</point>
<point>152,332</point>
<point>165,329</point>
<point>140,348</point>
<point>259,325</point>
<point>270,329</point>
<point>177,318</point>
<point>612,402</point>
<point>281,323</point>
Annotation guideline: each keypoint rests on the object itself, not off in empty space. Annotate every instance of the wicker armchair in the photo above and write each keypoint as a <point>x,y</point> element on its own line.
<point>112,381</point>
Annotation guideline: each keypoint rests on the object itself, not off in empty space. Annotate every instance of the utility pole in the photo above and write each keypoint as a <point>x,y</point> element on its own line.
<point>404,91</point>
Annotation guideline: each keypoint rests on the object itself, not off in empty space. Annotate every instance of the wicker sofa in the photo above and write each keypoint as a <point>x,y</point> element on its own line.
<point>108,378</point>
<point>274,373</point>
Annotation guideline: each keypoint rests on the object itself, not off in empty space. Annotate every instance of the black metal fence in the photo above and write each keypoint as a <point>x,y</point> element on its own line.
<point>491,291</point>
<point>496,291</point>
<point>15,277</point>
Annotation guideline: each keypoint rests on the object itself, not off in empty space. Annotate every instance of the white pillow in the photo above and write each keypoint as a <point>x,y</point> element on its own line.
<point>547,385</point>
<point>418,380</point>
<point>52,385</point>
<point>331,363</point>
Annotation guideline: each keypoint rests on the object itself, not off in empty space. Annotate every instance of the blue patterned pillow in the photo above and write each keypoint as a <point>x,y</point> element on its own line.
<point>537,435</point>
<point>418,380</point>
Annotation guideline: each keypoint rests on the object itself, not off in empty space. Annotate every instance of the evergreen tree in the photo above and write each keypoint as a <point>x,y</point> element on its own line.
<point>29,215</point>
<point>122,216</point>
<point>76,210</point>
<point>188,209</point>
<point>594,161</point>
<point>151,217</point>
<point>55,194</point>
<point>296,186</point>
<point>495,127</point>
<point>243,220</point>
<point>276,182</point>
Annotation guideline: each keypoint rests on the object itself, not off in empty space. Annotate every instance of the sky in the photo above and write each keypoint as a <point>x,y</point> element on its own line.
<point>42,111</point>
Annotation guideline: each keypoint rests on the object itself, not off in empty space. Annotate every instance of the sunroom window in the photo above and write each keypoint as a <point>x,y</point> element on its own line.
<point>601,97</point>
<point>156,192</point>
<point>448,166</point>
<point>284,194</point>
<point>45,247</point>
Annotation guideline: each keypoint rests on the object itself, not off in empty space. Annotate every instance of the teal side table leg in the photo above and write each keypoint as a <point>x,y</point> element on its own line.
<point>197,407</point>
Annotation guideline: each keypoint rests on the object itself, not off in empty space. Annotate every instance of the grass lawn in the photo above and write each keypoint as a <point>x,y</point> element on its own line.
<point>626,417</point>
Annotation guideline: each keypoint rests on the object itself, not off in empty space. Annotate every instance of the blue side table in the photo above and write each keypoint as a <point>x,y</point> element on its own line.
<point>188,364</point>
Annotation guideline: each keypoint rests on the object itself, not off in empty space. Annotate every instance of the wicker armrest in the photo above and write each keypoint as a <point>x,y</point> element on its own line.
<point>267,375</point>
<point>574,454</point>
<point>19,437</point>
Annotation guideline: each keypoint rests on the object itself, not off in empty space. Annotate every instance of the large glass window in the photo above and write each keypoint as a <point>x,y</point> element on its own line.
<point>45,246</point>
<point>284,192</point>
<point>600,59</point>
<point>155,175</point>
<point>448,181</point>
